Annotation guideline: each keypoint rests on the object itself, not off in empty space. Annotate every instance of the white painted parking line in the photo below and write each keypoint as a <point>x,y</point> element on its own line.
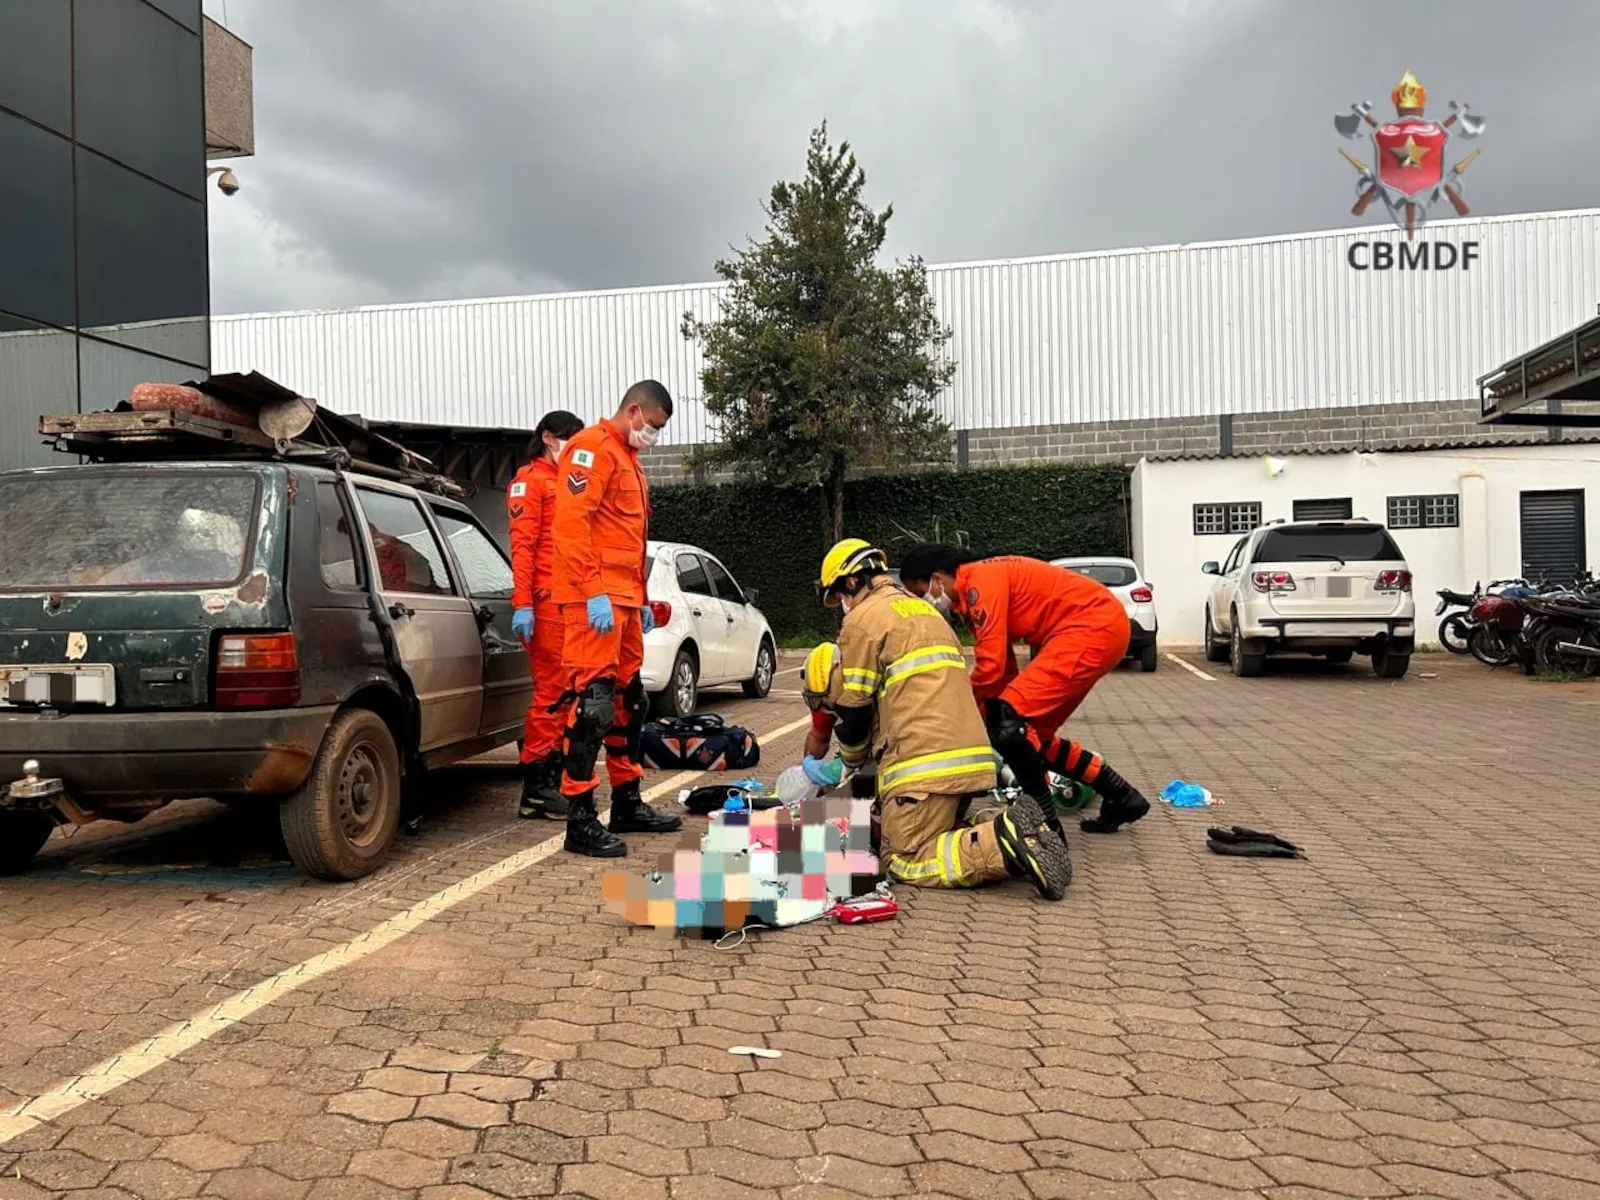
<point>105,1077</point>
<point>1191,668</point>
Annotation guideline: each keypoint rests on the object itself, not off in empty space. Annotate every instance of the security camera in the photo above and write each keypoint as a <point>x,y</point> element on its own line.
<point>228,183</point>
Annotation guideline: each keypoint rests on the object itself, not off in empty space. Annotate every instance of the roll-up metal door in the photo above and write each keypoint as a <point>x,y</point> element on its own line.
<point>1552,536</point>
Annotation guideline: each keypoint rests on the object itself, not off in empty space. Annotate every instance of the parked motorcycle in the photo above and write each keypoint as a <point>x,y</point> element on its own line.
<point>1457,627</point>
<point>1562,634</point>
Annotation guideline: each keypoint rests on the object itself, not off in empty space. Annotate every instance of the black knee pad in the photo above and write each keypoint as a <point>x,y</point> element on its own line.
<point>598,703</point>
<point>1009,734</point>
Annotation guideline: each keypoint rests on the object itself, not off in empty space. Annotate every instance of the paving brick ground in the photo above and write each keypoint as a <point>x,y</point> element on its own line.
<point>1411,1011</point>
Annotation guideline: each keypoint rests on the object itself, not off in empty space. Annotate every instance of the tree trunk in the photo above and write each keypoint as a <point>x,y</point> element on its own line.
<point>833,501</point>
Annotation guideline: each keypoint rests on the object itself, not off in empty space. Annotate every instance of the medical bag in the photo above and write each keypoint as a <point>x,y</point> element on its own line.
<point>699,743</point>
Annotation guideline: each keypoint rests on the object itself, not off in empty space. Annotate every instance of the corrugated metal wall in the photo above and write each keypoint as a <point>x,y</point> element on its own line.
<point>1257,326</point>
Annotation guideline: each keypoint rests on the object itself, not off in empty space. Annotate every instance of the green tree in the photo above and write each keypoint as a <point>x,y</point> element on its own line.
<point>821,360</point>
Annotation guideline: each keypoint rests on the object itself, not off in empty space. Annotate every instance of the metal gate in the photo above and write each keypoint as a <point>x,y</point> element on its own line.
<point>1552,536</point>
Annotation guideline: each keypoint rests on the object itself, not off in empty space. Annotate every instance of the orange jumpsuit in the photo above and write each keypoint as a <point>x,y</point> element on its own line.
<point>531,512</point>
<point>1078,633</point>
<point>602,518</point>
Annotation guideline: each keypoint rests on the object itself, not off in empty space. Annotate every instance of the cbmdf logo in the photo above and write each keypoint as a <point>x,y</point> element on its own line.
<point>1408,174</point>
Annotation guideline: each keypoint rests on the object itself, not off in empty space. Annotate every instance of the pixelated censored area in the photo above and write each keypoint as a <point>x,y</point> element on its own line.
<point>779,867</point>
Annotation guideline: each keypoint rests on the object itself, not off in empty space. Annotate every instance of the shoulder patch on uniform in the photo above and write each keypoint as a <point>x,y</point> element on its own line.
<point>583,458</point>
<point>518,489</point>
<point>972,595</point>
<point>576,484</point>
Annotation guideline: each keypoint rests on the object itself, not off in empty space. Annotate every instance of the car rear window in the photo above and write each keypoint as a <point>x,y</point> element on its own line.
<point>1349,543</point>
<point>97,530</point>
<point>1110,574</point>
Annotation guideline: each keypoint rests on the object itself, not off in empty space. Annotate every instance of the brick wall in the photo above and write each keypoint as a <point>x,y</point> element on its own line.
<point>1355,428</point>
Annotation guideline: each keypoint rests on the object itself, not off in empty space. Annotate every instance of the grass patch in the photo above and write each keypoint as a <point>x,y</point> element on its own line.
<point>1564,677</point>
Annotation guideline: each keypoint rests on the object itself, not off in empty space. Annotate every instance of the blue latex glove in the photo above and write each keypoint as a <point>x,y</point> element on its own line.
<point>601,618</point>
<point>647,618</point>
<point>522,623</point>
<point>823,774</point>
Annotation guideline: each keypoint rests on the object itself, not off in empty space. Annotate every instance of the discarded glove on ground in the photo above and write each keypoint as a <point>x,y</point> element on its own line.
<point>1250,843</point>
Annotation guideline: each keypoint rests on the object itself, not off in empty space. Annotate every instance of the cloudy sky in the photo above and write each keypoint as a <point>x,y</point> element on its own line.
<point>435,149</point>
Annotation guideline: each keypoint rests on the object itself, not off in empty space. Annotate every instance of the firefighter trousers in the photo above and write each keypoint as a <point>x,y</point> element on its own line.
<point>925,844</point>
<point>543,726</point>
<point>587,658</point>
<point>1056,681</point>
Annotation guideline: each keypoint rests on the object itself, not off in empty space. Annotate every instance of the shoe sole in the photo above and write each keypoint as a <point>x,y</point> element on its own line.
<point>619,852</point>
<point>1049,865</point>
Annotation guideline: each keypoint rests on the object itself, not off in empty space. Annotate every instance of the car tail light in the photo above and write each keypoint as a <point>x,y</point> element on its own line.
<point>258,670</point>
<point>661,613</point>
<point>1142,594</point>
<point>1394,581</point>
<point>1273,581</point>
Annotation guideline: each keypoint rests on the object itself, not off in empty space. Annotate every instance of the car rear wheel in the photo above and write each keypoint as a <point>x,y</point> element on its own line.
<point>22,835</point>
<point>683,686</point>
<point>1149,658</point>
<point>759,684</point>
<point>340,825</point>
<point>1388,664</point>
<point>1244,654</point>
<point>1216,648</point>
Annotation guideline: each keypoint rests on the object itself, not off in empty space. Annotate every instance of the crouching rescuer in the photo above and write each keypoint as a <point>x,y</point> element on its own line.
<point>1077,632</point>
<point>902,680</point>
<point>601,529</point>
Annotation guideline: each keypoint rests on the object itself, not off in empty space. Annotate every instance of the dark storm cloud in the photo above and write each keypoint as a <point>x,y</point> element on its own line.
<point>414,150</point>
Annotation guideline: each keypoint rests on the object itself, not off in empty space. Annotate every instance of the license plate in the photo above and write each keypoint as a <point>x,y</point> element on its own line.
<point>1338,587</point>
<point>69,683</point>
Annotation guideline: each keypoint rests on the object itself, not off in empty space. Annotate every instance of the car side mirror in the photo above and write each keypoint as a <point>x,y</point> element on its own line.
<point>1211,567</point>
<point>751,595</point>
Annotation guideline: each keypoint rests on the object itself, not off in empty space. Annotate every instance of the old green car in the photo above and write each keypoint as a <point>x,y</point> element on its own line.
<point>254,632</point>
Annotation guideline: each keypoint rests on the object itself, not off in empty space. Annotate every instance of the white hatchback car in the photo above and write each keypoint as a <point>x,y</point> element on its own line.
<point>1329,588</point>
<point>1138,598</point>
<point>709,632</point>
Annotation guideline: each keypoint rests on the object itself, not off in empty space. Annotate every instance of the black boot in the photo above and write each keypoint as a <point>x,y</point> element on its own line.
<point>1032,850</point>
<point>1120,804</point>
<point>585,834</point>
<point>541,789</point>
<point>630,814</point>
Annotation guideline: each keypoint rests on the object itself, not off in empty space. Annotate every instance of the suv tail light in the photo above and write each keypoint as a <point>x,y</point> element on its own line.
<point>257,670</point>
<point>661,613</point>
<point>1273,581</point>
<point>1142,594</point>
<point>1394,581</point>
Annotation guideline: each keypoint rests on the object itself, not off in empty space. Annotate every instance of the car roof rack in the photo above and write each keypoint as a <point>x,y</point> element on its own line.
<point>238,417</point>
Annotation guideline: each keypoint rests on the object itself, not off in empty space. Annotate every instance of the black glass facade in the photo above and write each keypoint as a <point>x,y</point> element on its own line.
<point>104,281</point>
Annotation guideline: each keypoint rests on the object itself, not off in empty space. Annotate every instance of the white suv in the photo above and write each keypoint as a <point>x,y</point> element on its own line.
<point>1329,588</point>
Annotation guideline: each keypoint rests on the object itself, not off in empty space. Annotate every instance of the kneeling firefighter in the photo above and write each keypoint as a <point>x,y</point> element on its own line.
<point>1077,632</point>
<point>902,673</point>
<point>820,680</point>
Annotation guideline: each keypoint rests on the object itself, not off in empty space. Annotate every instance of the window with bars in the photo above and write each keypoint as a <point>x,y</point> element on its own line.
<point>1323,510</point>
<point>1233,517</point>
<point>1424,512</point>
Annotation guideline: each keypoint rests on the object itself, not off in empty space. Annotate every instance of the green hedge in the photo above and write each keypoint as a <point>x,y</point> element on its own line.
<point>771,538</point>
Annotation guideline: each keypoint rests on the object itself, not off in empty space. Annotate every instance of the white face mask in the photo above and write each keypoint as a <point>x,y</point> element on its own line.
<point>941,602</point>
<point>644,436</point>
<point>555,451</point>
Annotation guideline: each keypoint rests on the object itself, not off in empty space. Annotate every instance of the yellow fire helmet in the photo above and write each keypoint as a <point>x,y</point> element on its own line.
<point>817,677</point>
<point>844,560</point>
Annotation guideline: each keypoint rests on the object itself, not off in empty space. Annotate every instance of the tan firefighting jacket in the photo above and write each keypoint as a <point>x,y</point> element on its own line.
<point>898,655</point>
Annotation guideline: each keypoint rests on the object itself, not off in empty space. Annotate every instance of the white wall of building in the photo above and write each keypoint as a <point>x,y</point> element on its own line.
<point>1260,325</point>
<point>1486,545</point>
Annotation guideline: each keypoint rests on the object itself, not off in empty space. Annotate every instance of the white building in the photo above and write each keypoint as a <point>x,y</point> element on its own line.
<point>1461,515</point>
<point>1149,334</point>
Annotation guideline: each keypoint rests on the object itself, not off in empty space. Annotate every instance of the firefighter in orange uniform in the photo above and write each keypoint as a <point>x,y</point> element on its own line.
<point>1078,633</point>
<point>601,528</point>
<point>535,617</point>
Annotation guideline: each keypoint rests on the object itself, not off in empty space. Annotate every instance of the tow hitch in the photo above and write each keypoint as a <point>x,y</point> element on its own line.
<point>43,795</point>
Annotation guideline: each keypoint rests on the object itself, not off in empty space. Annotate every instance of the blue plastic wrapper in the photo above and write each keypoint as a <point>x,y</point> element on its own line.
<point>1186,795</point>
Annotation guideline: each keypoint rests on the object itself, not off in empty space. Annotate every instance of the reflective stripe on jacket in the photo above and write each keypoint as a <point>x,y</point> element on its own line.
<point>900,656</point>
<point>602,520</point>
